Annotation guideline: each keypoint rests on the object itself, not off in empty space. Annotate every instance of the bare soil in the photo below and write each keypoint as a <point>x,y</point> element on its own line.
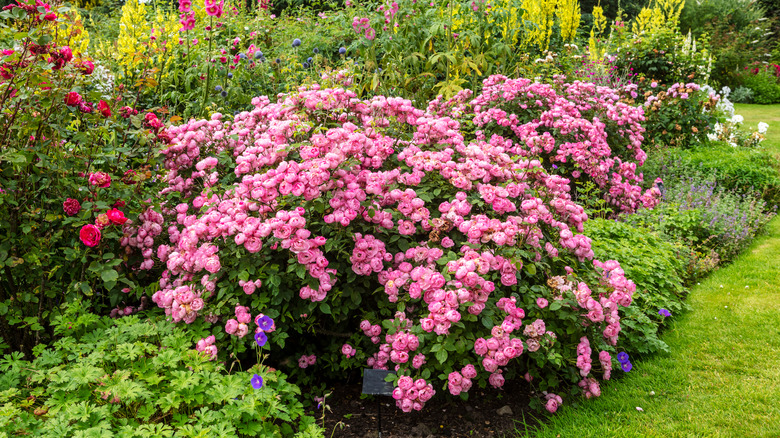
<point>487,413</point>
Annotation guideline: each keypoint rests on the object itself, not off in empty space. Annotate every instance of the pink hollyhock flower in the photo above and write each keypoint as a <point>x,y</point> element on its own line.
<point>71,207</point>
<point>100,179</point>
<point>116,216</point>
<point>90,235</point>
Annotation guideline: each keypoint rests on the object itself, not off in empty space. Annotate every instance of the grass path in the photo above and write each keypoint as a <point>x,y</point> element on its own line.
<point>722,378</point>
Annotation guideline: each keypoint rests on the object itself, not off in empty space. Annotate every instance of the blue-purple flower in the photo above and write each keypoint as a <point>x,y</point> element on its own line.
<point>622,357</point>
<point>626,366</point>
<point>261,338</point>
<point>264,322</point>
<point>256,381</point>
<point>664,312</point>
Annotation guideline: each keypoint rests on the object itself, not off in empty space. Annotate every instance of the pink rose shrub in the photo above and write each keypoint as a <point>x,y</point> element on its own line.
<point>460,251</point>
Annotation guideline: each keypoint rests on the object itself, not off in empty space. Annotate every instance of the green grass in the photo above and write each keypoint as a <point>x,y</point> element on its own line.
<point>722,378</point>
<point>763,113</point>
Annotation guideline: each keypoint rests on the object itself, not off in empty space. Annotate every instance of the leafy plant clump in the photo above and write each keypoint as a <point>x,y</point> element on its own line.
<point>659,270</point>
<point>139,377</point>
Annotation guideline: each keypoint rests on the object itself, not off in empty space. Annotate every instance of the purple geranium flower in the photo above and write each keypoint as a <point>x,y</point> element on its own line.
<point>626,366</point>
<point>261,338</point>
<point>256,381</point>
<point>664,312</point>
<point>622,357</point>
<point>265,323</point>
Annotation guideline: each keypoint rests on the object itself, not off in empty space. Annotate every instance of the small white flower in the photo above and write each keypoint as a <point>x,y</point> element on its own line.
<point>762,127</point>
<point>652,393</point>
<point>639,409</point>
<point>737,119</point>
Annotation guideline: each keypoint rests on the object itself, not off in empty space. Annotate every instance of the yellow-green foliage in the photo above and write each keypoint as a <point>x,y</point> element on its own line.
<point>662,13</point>
<point>143,39</point>
<point>73,34</point>
<point>87,4</point>
<point>568,13</point>
<point>540,17</point>
<point>529,25</point>
<point>597,49</point>
<point>134,31</point>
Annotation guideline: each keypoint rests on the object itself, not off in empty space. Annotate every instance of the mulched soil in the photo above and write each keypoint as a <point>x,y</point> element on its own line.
<point>487,413</point>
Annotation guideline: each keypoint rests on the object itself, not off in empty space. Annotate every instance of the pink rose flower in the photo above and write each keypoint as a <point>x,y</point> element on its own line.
<point>100,179</point>
<point>116,216</point>
<point>90,235</point>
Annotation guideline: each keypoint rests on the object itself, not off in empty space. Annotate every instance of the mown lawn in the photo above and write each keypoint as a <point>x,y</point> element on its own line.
<point>722,378</point>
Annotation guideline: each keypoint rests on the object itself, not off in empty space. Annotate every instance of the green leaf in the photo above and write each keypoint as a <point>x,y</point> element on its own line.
<point>441,356</point>
<point>109,275</point>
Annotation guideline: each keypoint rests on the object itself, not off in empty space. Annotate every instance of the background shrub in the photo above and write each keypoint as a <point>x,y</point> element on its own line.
<point>743,169</point>
<point>656,266</point>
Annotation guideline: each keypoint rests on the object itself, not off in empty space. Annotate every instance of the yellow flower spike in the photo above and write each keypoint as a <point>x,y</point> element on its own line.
<point>76,36</point>
<point>134,30</point>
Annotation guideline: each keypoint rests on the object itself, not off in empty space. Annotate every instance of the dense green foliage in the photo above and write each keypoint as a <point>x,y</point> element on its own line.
<point>656,266</point>
<point>139,377</point>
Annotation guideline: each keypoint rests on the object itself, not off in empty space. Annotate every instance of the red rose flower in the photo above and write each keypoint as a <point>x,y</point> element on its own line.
<point>90,235</point>
<point>116,216</point>
<point>104,108</point>
<point>71,207</point>
<point>73,99</point>
<point>87,67</point>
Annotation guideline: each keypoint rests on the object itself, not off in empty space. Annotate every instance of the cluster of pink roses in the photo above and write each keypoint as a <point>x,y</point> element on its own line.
<point>412,394</point>
<point>458,382</point>
<point>206,345</point>
<point>372,331</point>
<point>142,237</point>
<point>497,351</point>
<point>181,303</point>
<point>239,326</point>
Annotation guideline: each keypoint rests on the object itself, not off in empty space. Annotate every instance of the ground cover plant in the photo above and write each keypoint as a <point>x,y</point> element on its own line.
<point>137,377</point>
